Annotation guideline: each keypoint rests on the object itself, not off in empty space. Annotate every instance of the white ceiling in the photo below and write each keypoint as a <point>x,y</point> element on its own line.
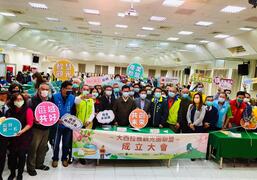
<point>76,39</point>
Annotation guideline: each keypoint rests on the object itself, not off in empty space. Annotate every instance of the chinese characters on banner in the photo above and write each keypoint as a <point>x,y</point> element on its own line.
<point>47,113</point>
<point>135,71</point>
<point>92,81</point>
<point>10,127</point>
<point>105,117</point>
<point>223,83</point>
<point>138,118</point>
<point>99,144</point>
<point>169,80</point>
<point>63,70</point>
<point>201,78</point>
<point>71,122</point>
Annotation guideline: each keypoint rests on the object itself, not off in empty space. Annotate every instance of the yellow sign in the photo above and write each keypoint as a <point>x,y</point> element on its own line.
<point>201,78</point>
<point>1,50</point>
<point>63,70</point>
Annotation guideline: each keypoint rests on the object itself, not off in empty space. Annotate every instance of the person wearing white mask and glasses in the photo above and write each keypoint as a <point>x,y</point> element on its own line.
<point>142,102</point>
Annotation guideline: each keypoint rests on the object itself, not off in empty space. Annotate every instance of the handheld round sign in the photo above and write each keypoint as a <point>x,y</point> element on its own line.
<point>47,113</point>
<point>135,71</point>
<point>105,117</point>
<point>63,70</point>
<point>71,122</point>
<point>138,118</point>
<point>10,127</point>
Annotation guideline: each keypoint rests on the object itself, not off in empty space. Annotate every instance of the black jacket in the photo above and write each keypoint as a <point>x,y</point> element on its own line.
<point>159,113</point>
<point>182,115</point>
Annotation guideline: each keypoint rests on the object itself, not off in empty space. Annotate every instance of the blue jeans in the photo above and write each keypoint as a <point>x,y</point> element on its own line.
<point>65,134</point>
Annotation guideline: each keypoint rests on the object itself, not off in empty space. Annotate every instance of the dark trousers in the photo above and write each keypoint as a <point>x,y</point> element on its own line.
<point>65,135</point>
<point>17,159</point>
<point>3,151</point>
<point>38,149</point>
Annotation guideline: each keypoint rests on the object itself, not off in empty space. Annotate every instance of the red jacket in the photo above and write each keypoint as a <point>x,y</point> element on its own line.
<point>237,111</point>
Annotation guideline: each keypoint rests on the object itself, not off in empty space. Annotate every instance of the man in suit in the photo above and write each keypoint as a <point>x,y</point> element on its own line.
<point>107,100</point>
<point>142,102</point>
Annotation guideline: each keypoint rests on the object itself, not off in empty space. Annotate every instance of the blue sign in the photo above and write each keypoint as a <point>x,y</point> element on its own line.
<point>10,127</point>
<point>135,71</point>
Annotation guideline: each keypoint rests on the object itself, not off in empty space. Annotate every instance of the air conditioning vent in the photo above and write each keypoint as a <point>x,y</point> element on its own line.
<point>237,49</point>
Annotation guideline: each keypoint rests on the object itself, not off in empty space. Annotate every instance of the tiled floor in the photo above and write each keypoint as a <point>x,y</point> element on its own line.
<point>147,170</point>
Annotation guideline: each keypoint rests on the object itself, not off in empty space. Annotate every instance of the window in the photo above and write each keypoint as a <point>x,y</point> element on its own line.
<point>163,73</point>
<point>98,69</point>
<point>151,72</point>
<point>82,68</point>
<point>120,70</point>
<point>101,69</point>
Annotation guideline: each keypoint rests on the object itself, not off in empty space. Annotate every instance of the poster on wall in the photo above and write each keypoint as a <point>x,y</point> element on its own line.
<point>63,70</point>
<point>169,80</point>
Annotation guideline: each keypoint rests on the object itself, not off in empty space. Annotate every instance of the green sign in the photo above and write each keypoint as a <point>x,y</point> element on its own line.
<point>135,71</point>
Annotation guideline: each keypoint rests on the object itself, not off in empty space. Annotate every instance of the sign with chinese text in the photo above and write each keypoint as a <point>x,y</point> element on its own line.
<point>99,144</point>
<point>169,80</point>
<point>63,70</point>
<point>138,118</point>
<point>250,81</point>
<point>105,117</point>
<point>223,83</point>
<point>201,78</point>
<point>100,80</point>
<point>10,127</point>
<point>71,121</point>
<point>135,71</point>
<point>47,113</point>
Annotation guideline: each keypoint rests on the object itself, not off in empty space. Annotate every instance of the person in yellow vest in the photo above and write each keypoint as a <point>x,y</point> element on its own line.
<point>199,88</point>
<point>85,109</point>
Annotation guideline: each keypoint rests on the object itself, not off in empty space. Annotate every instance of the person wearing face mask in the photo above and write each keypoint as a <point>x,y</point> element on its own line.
<point>123,107</point>
<point>173,105</point>
<point>228,92</point>
<point>224,111</point>
<point>136,90</point>
<point>238,106</point>
<point>116,90</point>
<point>117,78</point>
<point>3,81</point>
<point>75,86</point>
<point>182,112</point>
<point>40,134</point>
<point>199,89</point>
<point>211,116</point>
<point>3,140</point>
<point>149,92</point>
<point>19,145</point>
<point>142,102</point>
<point>132,92</point>
<point>15,88</point>
<point>64,100</point>
<point>37,79</point>
<point>159,110</point>
<point>97,105</point>
<point>247,115</point>
<point>195,114</point>
<point>165,94</point>
<point>107,100</point>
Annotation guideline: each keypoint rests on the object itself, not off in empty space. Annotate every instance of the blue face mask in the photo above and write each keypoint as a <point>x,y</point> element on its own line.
<point>157,94</point>
<point>125,94</point>
<point>75,86</point>
<point>222,100</point>
<point>136,89</point>
<point>131,93</point>
<point>116,90</point>
<point>117,79</point>
<point>171,94</point>
<point>209,103</point>
<point>185,96</point>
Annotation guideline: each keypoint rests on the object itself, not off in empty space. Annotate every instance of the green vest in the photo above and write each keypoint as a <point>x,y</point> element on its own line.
<point>84,110</point>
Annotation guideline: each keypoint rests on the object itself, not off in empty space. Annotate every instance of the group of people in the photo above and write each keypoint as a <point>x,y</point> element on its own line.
<point>168,106</point>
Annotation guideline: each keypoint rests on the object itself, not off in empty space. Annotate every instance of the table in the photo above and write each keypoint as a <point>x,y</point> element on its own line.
<point>223,146</point>
<point>126,144</point>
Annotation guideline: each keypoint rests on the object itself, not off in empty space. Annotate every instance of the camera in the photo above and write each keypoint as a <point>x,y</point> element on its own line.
<point>253,2</point>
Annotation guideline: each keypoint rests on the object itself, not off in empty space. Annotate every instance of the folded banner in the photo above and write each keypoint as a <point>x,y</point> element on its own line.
<point>98,144</point>
<point>10,127</point>
<point>71,121</point>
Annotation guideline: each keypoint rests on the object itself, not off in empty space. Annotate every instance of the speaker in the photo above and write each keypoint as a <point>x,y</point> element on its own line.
<point>35,59</point>
<point>243,69</point>
<point>187,71</point>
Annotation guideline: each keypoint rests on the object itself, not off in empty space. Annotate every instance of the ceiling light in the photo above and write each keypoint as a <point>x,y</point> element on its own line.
<point>221,36</point>
<point>11,45</point>
<point>7,14</point>
<point>164,43</point>
<point>246,29</point>
<point>121,14</point>
<point>173,3</point>
<point>191,46</point>
<point>204,23</point>
<point>52,19</point>
<point>233,9</point>
<point>38,5</point>
<point>100,54</point>
<point>132,1</point>
<point>172,39</point>
<point>157,18</point>
<point>133,45</point>
<point>94,23</point>
<point>121,26</point>
<point>185,33</point>
<point>23,24</point>
<point>204,41</point>
<point>147,28</point>
<point>141,35</point>
<point>51,40</point>
<point>91,11</point>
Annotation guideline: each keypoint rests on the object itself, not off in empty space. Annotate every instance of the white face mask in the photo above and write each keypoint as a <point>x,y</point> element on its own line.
<point>44,93</point>
<point>246,100</point>
<point>18,104</point>
<point>2,103</point>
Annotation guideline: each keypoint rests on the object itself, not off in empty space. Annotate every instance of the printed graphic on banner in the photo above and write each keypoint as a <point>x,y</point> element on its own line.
<point>10,127</point>
<point>251,122</point>
<point>64,70</point>
<point>201,78</point>
<point>250,81</point>
<point>138,118</point>
<point>169,80</point>
<point>223,83</point>
<point>71,121</point>
<point>135,71</point>
<point>92,81</point>
<point>98,144</point>
<point>105,117</point>
<point>47,113</point>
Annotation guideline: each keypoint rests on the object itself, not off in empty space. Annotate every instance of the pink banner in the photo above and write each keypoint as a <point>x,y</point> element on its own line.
<point>47,113</point>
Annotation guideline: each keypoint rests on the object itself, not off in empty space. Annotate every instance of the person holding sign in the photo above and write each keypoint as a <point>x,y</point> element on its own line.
<point>19,145</point>
<point>38,147</point>
<point>3,140</point>
<point>64,100</point>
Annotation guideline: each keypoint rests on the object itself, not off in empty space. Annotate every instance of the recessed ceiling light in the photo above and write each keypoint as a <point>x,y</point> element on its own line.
<point>246,29</point>
<point>7,14</point>
<point>121,26</point>
<point>11,45</point>
<point>147,28</point>
<point>91,11</point>
<point>185,33</point>
<point>204,23</point>
<point>94,23</point>
<point>221,36</point>
<point>23,24</point>
<point>100,54</point>
<point>204,41</point>
<point>173,3</point>
<point>141,35</point>
<point>52,19</point>
<point>38,5</point>
<point>164,43</point>
<point>157,18</point>
<point>120,14</point>
<point>191,46</point>
<point>51,40</point>
<point>233,9</point>
<point>172,39</point>
<point>132,1</point>
<point>133,45</point>
<point>22,48</point>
